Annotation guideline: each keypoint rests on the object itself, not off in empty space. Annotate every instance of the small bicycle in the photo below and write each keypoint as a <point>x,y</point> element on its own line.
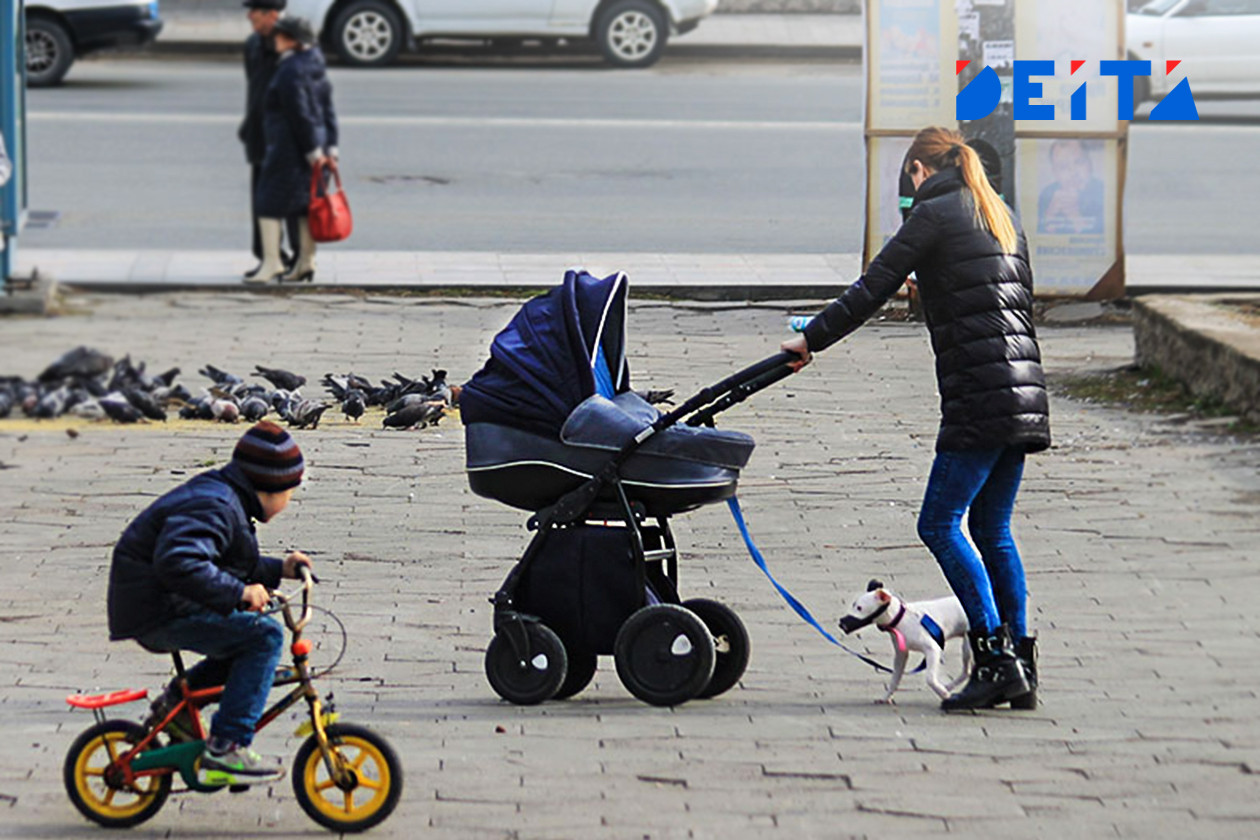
<point>119,774</point>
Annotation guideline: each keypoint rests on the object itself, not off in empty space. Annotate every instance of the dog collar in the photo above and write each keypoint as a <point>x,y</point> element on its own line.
<point>891,628</point>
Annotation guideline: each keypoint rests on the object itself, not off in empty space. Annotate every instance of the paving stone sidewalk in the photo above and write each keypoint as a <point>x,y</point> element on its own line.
<point>1139,537</point>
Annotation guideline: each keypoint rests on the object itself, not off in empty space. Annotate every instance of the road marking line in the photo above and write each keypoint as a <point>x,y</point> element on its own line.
<point>456,122</point>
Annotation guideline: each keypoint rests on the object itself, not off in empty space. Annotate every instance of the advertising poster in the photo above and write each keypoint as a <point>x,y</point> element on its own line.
<point>1064,31</point>
<point>1069,207</point>
<point>910,64</point>
<point>883,204</point>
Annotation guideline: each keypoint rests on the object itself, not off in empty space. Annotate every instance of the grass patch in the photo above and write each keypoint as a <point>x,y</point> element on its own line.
<point>1151,391</point>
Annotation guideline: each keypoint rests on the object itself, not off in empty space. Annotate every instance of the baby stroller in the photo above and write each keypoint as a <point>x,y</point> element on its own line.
<point>552,427</point>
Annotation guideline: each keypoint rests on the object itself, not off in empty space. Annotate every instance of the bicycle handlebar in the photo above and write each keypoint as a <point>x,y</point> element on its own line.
<point>285,601</point>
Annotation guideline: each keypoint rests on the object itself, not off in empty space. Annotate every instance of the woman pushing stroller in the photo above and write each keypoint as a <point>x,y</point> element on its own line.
<point>971,262</point>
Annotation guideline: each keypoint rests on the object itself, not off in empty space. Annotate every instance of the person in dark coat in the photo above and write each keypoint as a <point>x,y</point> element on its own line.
<point>186,574</point>
<point>300,128</point>
<point>971,263</point>
<point>260,66</point>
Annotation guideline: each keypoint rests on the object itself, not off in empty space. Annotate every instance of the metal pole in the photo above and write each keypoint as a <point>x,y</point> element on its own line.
<point>13,126</point>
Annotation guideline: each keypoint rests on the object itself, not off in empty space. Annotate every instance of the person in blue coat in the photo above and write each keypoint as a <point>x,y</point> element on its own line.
<point>300,127</point>
<point>187,574</point>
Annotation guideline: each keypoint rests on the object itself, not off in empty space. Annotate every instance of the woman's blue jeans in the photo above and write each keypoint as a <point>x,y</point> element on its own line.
<point>246,644</point>
<point>990,581</point>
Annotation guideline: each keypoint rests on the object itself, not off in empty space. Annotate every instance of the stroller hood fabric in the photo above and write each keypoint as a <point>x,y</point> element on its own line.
<point>560,348</point>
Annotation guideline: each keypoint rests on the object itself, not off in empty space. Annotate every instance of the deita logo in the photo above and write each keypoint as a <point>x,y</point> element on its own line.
<point>983,93</point>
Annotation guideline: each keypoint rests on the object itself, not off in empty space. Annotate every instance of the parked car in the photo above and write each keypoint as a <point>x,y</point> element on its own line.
<point>1214,39</point>
<point>629,33</point>
<point>59,31</point>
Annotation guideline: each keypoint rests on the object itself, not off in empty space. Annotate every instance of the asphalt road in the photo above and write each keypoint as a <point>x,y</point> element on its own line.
<point>557,156</point>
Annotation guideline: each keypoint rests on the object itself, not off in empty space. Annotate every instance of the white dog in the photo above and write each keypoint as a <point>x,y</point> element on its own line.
<point>922,626</point>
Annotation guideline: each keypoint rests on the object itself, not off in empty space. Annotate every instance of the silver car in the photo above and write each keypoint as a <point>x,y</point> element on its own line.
<point>629,33</point>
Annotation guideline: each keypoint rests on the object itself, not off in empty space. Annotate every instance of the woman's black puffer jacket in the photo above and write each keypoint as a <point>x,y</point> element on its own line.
<point>978,303</point>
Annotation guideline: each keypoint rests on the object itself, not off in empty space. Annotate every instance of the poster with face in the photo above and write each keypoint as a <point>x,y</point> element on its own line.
<point>1069,210</point>
<point>1064,31</point>
<point>910,58</point>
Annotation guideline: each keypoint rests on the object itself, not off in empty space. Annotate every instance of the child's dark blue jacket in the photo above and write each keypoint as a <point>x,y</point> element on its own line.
<point>192,550</point>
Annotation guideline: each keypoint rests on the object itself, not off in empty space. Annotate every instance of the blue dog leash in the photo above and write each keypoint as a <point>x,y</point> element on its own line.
<point>733,504</point>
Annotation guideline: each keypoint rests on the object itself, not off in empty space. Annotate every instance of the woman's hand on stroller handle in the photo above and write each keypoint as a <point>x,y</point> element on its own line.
<point>799,347</point>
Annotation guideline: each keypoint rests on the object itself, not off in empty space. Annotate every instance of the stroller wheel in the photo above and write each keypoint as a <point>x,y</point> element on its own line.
<point>730,639</point>
<point>580,673</point>
<point>530,676</point>
<point>664,654</point>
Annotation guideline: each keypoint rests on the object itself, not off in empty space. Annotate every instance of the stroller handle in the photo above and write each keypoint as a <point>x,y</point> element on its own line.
<point>733,389</point>
<point>778,364</point>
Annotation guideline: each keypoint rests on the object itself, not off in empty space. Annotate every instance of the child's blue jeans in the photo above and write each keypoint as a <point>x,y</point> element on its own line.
<point>250,642</point>
<point>990,583</point>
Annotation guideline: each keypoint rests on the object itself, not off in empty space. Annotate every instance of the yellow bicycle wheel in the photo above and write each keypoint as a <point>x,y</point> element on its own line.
<point>367,793</point>
<point>95,784</point>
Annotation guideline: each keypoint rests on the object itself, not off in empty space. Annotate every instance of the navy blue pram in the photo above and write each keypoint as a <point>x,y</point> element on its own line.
<point>553,427</point>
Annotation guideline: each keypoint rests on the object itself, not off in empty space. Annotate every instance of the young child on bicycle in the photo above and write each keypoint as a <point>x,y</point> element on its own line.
<point>187,575</point>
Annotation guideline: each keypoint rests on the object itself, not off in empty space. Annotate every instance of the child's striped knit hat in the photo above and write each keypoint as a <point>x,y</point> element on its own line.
<point>270,458</point>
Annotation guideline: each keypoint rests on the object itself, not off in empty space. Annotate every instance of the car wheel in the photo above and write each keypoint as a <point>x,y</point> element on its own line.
<point>49,52</point>
<point>368,34</point>
<point>631,33</point>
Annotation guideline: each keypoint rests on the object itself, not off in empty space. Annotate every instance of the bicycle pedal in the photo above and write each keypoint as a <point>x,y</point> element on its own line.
<point>237,788</point>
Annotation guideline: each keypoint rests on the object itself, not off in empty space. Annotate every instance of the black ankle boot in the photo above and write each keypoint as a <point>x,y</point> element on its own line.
<point>1026,652</point>
<point>996,675</point>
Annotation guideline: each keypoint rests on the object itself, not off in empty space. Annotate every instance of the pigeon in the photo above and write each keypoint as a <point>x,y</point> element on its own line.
<point>280,378</point>
<point>119,410</point>
<point>306,414</point>
<point>173,393</point>
<point>166,379</point>
<point>126,375</point>
<point>406,401</point>
<point>6,403</point>
<point>354,404</point>
<point>658,397</point>
<point>79,363</point>
<point>52,404</point>
<point>438,387</point>
<point>225,411</point>
<point>336,385</point>
<point>197,409</point>
<point>89,410</point>
<point>254,408</point>
<point>220,377</point>
<point>421,414</point>
<point>145,402</point>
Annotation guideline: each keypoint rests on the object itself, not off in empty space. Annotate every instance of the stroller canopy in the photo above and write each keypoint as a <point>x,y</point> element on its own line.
<point>560,349</point>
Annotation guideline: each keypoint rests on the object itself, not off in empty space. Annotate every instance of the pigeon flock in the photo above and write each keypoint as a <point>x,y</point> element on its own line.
<point>89,384</point>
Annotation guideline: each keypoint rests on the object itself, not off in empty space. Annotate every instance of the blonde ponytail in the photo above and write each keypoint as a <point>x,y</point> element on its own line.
<point>941,148</point>
<point>990,209</point>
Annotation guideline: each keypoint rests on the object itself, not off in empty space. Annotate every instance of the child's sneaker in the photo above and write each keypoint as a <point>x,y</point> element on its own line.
<point>237,765</point>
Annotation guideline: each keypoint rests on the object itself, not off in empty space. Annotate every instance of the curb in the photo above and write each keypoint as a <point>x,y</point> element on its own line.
<point>1210,350</point>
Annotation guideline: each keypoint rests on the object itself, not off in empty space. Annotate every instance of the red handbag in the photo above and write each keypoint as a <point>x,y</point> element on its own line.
<point>329,217</point>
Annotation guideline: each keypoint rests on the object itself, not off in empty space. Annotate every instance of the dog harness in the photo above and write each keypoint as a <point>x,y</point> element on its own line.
<point>934,630</point>
<point>931,627</point>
